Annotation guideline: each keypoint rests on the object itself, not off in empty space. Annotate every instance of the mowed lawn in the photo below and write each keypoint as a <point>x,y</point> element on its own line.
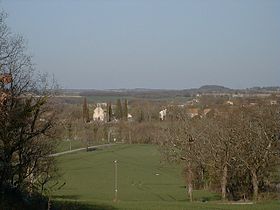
<point>143,181</point>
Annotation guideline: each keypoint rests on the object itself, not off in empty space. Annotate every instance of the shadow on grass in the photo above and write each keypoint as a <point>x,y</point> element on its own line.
<point>66,197</point>
<point>203,196</point>
<point>72,205</point>
<point>209,198</point>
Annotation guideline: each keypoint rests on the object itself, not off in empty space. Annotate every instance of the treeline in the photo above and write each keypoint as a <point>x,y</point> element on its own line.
<point>131,122</point>
<point>138,94</point>
<point>235,152</point>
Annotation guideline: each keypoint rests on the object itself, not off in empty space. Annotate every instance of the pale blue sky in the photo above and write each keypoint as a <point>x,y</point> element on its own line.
<point>152,43</point>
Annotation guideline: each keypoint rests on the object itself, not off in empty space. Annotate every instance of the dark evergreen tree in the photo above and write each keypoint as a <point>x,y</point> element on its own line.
<point>125,109</point>
<point>109,111</point>
<point>85,111</point>
<point>119,111</point>
<point>142,117</point>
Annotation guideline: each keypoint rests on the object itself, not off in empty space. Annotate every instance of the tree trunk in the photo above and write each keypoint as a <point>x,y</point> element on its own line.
<point>190,191</point>
<point>255,183</point>
<point>129,136</point>
<point>224,182</point>
<point>190,181</point>
<point>49,203</point>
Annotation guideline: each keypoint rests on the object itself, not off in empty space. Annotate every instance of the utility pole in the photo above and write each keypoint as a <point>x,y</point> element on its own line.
<point>70,145</point>
<point>109,135</point>
<point>116,180</point>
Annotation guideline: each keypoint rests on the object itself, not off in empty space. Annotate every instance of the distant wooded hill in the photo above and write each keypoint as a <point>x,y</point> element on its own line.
<point>214,88</point>
<point>165,93</point>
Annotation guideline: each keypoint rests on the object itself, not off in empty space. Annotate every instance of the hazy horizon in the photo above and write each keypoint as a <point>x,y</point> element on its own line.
<point>156,44</point>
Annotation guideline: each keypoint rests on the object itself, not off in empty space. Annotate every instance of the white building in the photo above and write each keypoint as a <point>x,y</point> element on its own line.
<point>98,114</point>
<point>229,103</point>
<point>162,114</point>
<point>273,102</point>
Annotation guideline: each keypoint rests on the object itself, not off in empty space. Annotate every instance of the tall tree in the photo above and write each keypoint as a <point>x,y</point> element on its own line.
<point>119,110</point>
<point>219,137</point>
<point>259,146</point>
<point>109,111</point>
<point>27,119</point>
<point>179,143</point>
<point>125,109</point>
<point>85,111</point>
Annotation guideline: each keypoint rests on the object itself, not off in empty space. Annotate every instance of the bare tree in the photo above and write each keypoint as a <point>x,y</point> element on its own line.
<point>180,144</point>
<point>224,148</point>
<point>218,148</point>
<point>27,117</point>
<point>259,146</point>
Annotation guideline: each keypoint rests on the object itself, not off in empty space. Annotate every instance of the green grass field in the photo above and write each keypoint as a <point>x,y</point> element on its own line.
<point>143,182</point>
<point>65,145</point>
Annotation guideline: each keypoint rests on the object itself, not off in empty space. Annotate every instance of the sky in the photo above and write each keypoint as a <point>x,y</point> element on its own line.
<point>169,44</point>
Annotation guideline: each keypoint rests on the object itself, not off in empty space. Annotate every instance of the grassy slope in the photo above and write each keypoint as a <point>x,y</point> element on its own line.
<point>90,179</point>
<point>65,145</point>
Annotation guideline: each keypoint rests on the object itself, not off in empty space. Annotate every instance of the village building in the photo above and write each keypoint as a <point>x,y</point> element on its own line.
<point>103,104</point>
<point>206,111</point>
<point>162,114</point>
<point>273,102</point>
<point>193,102</point>
<point>129,116</point>
<point>192,112</point>
<point>98,114</point>
<point>229,103</point>
<point>253,104</point>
